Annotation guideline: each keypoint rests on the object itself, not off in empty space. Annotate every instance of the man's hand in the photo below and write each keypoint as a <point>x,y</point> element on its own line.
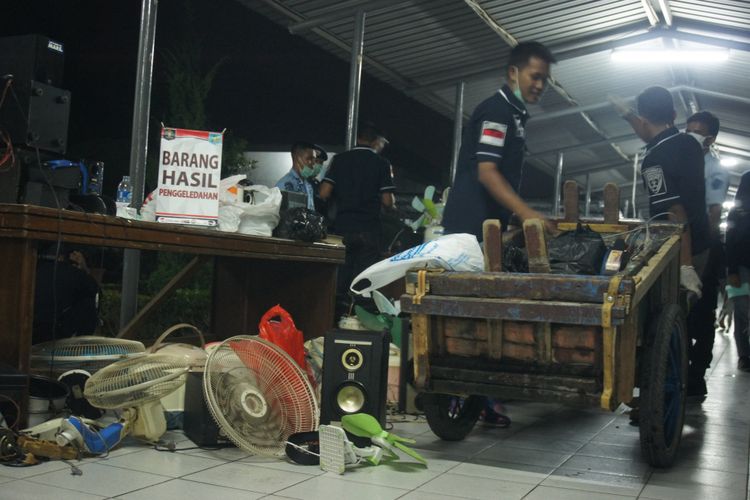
<point>620,105</point>
<point>690,281</point>
<point>549,226</point>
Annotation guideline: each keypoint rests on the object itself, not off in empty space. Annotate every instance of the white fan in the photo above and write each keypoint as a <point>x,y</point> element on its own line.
<point>137,386</point>
<point>89,353</point>
<point>258,395</point>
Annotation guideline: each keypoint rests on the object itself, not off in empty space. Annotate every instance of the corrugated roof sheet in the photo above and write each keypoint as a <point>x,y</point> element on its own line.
<point>424,47</point>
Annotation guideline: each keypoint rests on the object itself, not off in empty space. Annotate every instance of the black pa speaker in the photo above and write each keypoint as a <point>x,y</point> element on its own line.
<point>32,57</point>
<point>355,374</point>
<point>198,424</point>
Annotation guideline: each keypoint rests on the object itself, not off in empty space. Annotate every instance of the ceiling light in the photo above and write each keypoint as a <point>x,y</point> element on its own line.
<point>728,205</point>
<point>670,56</point>
<point>728,162</point>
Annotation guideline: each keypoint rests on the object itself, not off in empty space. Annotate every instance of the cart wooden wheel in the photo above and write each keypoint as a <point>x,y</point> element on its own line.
<point>663,386</point>
<point>452,417</point>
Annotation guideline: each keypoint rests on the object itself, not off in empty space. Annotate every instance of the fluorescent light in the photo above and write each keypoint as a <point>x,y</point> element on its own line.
<point>723,225</point>
<point>728,162</point>
<point>670,56</point>
<point>728,205</point>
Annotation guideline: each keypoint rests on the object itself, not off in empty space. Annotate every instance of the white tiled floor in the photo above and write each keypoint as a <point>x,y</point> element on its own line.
<point>550,452</point>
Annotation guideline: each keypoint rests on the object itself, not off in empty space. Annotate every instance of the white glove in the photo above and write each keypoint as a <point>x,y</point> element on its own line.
<point>690,281</point>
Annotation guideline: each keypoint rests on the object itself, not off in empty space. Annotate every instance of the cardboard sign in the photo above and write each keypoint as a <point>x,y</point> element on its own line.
<point>189,174</point>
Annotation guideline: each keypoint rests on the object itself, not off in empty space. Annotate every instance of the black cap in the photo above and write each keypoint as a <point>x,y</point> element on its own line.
<point>321,152</point>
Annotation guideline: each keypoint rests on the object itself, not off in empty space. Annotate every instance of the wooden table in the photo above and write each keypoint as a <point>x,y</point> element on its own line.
<point>251,274</point>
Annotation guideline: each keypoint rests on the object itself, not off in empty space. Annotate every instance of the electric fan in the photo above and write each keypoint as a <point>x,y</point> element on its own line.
<point>137,385</point>
<point>258,395</point>
<point>89,353</point>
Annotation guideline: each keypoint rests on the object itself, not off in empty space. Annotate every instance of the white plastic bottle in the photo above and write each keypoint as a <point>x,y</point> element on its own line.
<point>124,195</point>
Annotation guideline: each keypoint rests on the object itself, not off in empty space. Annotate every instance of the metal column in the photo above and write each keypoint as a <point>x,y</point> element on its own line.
<point>587,211</point>
<point>558,180</point>
<point>458,122</point>
<point>635,183</point>
<point>355,78</point>
<point>139,150</point>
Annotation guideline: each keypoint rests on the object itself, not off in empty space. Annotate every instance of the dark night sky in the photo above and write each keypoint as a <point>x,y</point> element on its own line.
<point>273,88</point>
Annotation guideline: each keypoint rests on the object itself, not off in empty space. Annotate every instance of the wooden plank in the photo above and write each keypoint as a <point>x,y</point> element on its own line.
<point>611,197</point>
<point>512,309</point>
<point>177,281</point>
<point>608,356</point>
<point>43,223</point>
<point>536,246</point>
<point>495,338</point>
<point>572,288</point>
<point>493,245</point>
<point>625,352</point>
<point>543,333</point>
<point>442,372</point>
<point>18,270</point>
<point>566,396</point>
<point>650,273</point>
<point>570,201</point>
<point>420,334</point>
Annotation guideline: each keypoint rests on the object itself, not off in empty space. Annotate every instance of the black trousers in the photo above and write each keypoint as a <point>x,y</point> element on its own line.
<point>362,251</point>
<point>702,316</point>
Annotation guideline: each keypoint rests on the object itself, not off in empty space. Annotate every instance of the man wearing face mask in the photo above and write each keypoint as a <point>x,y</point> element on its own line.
<point>303,170</point>
<point>704,127</point>
<point>360,183</point>
<point>490,161</point>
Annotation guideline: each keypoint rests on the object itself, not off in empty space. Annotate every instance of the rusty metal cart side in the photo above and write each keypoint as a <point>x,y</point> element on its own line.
<point>574,339</point>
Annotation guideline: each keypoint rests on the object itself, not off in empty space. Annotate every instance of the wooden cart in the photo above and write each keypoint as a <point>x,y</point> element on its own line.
<point>574,339</point>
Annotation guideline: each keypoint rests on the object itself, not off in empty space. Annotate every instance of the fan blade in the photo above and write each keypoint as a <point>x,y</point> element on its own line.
<point>429,192</point>
<point>361,424</point>
<point>417,204</point>
<point>410,452</point>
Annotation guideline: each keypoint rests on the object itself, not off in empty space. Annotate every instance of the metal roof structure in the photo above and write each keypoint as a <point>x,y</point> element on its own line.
<point>424,48</point>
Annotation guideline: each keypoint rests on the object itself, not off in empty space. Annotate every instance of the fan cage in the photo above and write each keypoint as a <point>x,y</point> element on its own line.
<point>90,353</point>
<point>136,381</point>
<point>240,369</point>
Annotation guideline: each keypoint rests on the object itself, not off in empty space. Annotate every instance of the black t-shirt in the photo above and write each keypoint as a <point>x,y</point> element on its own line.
<point>672,172</point>
<point>495,133</point>
<point>359,177</point>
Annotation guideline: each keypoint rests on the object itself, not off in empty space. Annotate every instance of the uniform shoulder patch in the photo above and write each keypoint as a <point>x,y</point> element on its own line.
<point>493,133</point>
<point>655,181</point>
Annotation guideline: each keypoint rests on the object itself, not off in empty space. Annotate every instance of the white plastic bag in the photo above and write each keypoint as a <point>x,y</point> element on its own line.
<point>454,252</point>
<point>261,215</point>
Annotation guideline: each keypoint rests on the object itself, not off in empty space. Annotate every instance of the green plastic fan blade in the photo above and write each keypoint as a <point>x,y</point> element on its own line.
<point>361,424</point>
<point>413,454</point>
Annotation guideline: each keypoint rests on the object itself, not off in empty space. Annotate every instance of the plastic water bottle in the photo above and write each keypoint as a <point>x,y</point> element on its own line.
<point>124,192</point>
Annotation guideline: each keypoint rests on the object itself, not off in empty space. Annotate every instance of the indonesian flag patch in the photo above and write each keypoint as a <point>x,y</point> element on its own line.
<point>493,133</point>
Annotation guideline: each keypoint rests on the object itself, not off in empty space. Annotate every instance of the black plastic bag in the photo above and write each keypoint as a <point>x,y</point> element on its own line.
<point>302,224</point>
<point>515,259</point>
<point>577,252</point>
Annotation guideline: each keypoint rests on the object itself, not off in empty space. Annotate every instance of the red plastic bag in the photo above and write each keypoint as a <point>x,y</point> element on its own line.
<point>283,333</point>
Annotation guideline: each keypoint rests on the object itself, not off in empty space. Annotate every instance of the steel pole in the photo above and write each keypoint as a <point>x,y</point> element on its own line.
<point>635,184</point>
<point>458,122</point>
<point>558,180</point>
<point>355,79</point>
<point>587,211</point>
<point>139,151</point>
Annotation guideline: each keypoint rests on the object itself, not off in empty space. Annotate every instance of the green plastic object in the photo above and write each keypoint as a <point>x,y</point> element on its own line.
<point>367,426</point>
<point>739,291</point>
<point>380,322</point>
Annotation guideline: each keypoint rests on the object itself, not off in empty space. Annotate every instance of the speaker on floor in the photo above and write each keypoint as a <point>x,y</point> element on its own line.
<point>355,374</point>
<point>198,424</point>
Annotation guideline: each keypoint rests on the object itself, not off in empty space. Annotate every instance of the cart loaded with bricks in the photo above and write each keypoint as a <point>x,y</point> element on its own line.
<point>568,338</point>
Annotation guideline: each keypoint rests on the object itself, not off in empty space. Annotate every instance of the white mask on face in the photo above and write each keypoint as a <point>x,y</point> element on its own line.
<point>702,139</point>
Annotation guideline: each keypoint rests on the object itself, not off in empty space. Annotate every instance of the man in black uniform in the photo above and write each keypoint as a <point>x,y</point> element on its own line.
<point>490,161</point>
<point>360,182</point>
<point>672,173</point>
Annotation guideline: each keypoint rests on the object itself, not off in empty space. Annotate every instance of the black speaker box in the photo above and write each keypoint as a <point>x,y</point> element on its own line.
<point>32,57</point>
<point>40,117</point>
<point>197,423</point>
<point>355,374</point>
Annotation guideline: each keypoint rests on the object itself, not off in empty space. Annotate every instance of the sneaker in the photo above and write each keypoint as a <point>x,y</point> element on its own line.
<point>744,364</point>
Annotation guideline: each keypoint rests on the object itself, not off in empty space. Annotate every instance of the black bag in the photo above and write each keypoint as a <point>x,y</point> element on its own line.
<point>301,223</point>
<point>577,252</point>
